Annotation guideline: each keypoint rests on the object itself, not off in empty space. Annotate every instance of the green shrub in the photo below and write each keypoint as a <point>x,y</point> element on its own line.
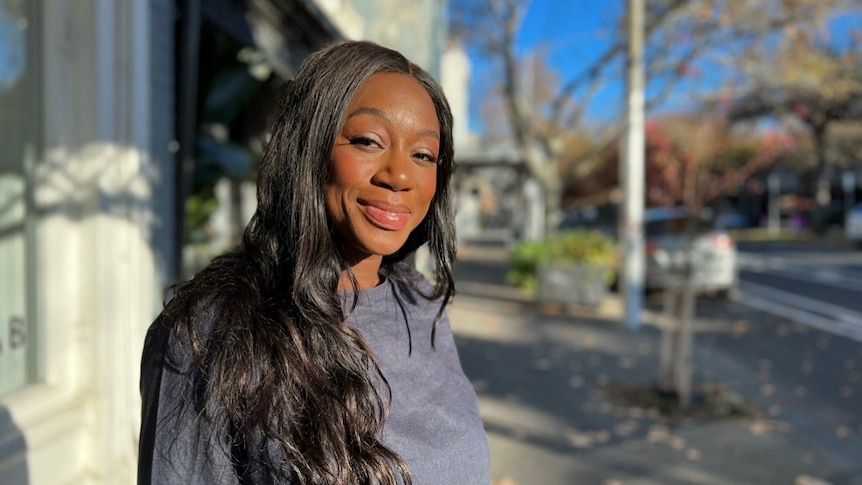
<point>571,247</point>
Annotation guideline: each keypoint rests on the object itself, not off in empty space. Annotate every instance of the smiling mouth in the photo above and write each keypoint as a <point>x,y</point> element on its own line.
<point>385,216</point>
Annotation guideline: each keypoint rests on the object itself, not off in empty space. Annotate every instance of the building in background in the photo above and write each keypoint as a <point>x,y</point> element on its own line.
<point>416,28</point>
<point>101,103</point>
<point>419,29</point>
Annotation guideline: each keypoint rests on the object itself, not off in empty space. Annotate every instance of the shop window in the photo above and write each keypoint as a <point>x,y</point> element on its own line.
<point>19,126</point>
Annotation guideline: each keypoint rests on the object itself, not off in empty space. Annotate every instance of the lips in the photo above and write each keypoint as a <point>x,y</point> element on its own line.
<point>391,217</point>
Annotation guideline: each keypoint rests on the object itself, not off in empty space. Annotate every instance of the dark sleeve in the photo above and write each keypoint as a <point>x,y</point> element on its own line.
<point>177,445</point>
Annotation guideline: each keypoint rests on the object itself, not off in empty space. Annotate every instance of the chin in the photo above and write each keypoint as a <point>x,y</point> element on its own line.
<point>385,249</point>
<point>384,243</point>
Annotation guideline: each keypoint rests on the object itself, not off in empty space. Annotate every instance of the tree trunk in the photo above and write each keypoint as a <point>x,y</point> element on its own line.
<point>822,186</point>
<point>553,214</point>
<point>685,343</point>
<point>669,329</point>
<point>542,191</point>
<point>534,210</point>
<point>677,337</point>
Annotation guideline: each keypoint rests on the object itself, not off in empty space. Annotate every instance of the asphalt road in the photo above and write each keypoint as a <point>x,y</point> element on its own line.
<point>817,284</point>
<point>804,310</point>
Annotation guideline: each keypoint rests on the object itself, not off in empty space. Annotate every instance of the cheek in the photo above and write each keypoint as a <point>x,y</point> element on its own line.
<point>347,173</point>
<point>340,180</point>
<point>427,188</point>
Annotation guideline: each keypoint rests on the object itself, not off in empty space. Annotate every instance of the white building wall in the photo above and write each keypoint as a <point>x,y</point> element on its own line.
<point>344,16</point>
<point>455,80</point>
<point>101,220</point>
<point>416,28</point>
<point>104,196</point>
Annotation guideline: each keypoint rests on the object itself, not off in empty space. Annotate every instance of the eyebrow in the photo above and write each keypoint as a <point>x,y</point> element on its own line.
<point>380,114</point>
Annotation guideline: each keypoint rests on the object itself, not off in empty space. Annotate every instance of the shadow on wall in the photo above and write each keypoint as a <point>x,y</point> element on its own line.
<point>13,451</point>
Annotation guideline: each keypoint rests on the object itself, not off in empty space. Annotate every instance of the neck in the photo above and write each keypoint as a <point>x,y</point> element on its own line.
<point>366,271</point>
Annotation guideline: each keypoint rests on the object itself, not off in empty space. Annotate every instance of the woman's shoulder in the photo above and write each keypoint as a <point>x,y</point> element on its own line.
<point>231,276</point>
<point>227,287</point>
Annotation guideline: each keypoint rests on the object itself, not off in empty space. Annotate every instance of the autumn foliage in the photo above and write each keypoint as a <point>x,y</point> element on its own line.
<point>691,160</point>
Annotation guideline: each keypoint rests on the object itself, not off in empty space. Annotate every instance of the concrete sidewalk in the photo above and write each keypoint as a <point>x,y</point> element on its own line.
<point>543,383</point>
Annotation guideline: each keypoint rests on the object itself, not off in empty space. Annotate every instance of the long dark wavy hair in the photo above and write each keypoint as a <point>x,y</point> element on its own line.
<point>280,364</point>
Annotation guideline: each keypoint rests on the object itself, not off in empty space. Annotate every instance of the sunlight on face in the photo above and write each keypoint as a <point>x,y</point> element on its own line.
<point>384,168</point>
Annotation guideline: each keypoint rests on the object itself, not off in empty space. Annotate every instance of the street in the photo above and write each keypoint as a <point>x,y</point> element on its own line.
<point>817,284</point>
<point>788,344</point>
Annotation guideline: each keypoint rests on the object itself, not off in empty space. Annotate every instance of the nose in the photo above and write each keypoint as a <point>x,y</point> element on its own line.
<point>395,171</point>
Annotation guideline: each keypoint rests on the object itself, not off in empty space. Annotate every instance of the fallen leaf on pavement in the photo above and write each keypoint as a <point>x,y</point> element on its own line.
<point>760,426</point>
<point>809,480</point>
<point>739,328</point>
<point>506,481</point>
<point>843,432</point>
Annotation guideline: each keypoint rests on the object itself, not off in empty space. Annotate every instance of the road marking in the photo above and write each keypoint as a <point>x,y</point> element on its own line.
<point>838,277</point>
<point>828,275</point>
<point>803,302</point>
<point>824,316</point>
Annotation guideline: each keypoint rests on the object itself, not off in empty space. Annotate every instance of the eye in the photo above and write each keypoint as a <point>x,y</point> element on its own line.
<point>426,157</point>
<point>362,141</point>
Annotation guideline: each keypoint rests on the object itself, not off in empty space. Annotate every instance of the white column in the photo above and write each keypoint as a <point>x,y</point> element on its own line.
<point>125,227</point>
<point>99,281</point>
<point>632,172</point>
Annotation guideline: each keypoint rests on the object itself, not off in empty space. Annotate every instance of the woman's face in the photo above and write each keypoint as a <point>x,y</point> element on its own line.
<point>384,168</point>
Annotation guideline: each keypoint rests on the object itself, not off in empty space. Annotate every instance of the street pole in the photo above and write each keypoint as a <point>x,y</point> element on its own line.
<point>632,172</point>
<point>848,183</point>
<point>773,185</point>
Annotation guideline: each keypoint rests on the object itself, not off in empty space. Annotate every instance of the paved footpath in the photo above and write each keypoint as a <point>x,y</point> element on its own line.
<point>543,383</point>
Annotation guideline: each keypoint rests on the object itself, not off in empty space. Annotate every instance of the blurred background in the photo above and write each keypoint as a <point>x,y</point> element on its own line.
<point>658,214</point>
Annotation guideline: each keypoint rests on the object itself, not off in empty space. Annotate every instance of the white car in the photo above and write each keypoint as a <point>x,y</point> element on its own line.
<point>714,252</point>
<point>853,225</point>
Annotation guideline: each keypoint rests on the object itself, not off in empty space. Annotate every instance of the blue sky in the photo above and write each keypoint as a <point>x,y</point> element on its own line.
<point>576,32</point>
<point>13,47</point>
<point>576,29</point>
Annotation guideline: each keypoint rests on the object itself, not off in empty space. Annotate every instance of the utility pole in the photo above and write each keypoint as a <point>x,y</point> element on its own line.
<point>773,185</point>
<point>632,172</point>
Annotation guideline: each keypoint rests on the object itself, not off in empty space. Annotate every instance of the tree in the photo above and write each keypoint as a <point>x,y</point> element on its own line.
<point>691,162</point>
<point>818,84</point>
<point>679,34</point>
<point>683,40</point>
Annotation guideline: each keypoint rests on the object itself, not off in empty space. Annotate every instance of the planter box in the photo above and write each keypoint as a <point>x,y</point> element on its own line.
<point>571,284</point>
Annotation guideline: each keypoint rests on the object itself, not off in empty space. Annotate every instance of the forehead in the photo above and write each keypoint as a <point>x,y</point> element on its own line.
<point>393,91</point>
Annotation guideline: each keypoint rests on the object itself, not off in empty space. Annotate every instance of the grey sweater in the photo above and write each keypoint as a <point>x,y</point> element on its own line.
<point>434,423</point>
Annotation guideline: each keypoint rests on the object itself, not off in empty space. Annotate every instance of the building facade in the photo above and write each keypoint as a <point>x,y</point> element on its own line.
<point>91,144</point>
<point>101,132</point>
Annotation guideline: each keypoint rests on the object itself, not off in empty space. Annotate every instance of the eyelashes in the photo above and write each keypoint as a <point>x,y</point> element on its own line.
<point>366,142</point>
<point>362,141</point>
<point>428,158</point>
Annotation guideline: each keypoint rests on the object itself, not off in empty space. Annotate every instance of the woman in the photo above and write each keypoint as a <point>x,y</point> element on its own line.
<point>312,353</point>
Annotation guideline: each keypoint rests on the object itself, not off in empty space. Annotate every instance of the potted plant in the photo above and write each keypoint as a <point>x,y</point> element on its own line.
<point>572,268</point>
